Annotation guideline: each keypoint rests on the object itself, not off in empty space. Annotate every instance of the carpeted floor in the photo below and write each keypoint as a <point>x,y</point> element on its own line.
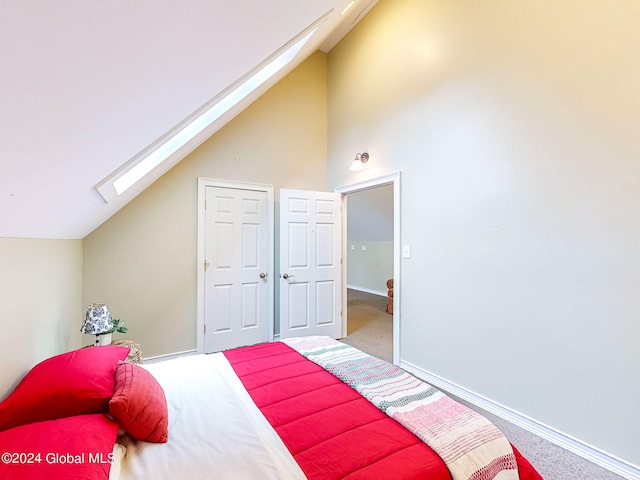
<point>368,326</point>
<point>370,329</point>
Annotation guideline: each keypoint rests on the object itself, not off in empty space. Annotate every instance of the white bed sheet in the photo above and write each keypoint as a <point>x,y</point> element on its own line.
<point>215,429</point>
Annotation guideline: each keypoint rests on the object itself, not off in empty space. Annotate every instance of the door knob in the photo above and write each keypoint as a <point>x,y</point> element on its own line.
<point>286,275</point>
<point>263,275</point>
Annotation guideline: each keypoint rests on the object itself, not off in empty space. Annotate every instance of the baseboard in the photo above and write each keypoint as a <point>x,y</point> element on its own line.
<point>169,356</point>
<point>367,290</point>
<point>593,454</point>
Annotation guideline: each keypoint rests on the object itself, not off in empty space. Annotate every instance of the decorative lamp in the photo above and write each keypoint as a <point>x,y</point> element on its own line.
<point>98,322</point>
<point>359,162</point>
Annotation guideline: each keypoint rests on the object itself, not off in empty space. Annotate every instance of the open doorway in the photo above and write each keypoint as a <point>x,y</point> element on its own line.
<point>372,257</point>
<point>369,239</point>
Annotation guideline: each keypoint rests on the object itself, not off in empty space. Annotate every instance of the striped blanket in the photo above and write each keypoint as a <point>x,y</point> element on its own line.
<point>470,445</point>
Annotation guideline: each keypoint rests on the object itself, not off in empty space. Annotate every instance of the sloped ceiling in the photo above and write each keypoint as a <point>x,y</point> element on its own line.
<point>86,86</point>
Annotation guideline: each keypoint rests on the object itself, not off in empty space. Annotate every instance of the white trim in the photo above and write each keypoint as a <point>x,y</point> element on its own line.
<point>395,180</point>
<point>380,293</point>
<point>580,448</point>
<point>169,356</point>
<point>268,189</point>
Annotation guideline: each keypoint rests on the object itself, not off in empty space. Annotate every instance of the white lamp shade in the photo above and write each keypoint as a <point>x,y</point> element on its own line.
<point>97,320</point>
<point>357,165</point>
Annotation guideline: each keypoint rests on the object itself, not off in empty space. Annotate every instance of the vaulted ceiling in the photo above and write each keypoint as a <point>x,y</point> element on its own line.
<point>86,86</point>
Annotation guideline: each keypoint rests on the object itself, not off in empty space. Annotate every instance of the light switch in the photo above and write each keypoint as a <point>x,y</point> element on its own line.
<point>364,248</point>
<point>406,251</point>
<point>353,247</point>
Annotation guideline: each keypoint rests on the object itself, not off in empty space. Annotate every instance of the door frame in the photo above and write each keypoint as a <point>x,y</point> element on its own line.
<point>390,179</point>
<point>204,182</point>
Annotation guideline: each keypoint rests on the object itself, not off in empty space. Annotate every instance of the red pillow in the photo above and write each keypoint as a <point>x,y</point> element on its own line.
<point>139,404</point>
<point>72,447</point>
<point>73,383</point>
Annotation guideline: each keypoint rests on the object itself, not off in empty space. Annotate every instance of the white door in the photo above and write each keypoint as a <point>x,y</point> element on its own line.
<point>236,265</point>
<point>310,263</point>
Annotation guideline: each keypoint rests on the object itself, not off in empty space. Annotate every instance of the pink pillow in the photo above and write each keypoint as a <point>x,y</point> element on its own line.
<point>73,383</point>
<point>139,404</point>
<point>73,447</point>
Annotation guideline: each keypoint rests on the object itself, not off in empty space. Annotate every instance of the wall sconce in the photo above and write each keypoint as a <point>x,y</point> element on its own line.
<point>359,162</point>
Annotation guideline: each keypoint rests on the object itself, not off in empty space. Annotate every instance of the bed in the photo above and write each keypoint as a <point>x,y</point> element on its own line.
<point>302,408</point>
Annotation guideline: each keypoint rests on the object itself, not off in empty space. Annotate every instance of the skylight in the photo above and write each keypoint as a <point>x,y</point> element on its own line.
<point>122,180</point>
<point>347,8</point>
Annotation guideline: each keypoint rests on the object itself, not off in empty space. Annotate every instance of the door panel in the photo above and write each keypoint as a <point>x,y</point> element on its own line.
<point>310,263</point>
<point>221,314</point>
<point>250,302</point>
<point>250,245</point>
<point>299,236</point>
<point>235,297</point>
<point>325,249</point>
<point>325,294</point>
<point>298,294</point>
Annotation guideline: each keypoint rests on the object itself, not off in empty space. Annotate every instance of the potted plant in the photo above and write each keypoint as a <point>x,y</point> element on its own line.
<point>118,326</point>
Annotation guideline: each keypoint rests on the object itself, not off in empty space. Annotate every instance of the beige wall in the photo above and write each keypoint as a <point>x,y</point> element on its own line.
<point>142,262</point>
<point>515,126</point>
<point>41,309</point>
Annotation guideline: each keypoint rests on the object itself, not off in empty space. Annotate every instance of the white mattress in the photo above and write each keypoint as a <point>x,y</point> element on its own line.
<point>215,429</point>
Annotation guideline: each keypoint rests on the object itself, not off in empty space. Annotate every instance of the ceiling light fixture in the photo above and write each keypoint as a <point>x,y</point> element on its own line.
<point>359,162</point>
<point>134,170</point>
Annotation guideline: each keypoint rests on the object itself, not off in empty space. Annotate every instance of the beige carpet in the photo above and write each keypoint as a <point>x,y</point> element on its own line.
<point>370,329</point>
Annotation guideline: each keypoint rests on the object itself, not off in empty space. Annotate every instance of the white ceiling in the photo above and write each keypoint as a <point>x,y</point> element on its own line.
<point>86,86</point>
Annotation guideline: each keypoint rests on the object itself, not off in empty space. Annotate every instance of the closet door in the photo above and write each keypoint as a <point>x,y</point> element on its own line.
<point>310,263</point>
<point>236,267</point>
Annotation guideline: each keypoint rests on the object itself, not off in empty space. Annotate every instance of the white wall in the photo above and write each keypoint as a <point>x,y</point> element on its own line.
<point>369,269</point>
<point>515,126</point>
<point>40,311</point>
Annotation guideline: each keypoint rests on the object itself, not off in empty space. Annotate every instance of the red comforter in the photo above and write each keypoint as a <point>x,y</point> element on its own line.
<point>332,431</point>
